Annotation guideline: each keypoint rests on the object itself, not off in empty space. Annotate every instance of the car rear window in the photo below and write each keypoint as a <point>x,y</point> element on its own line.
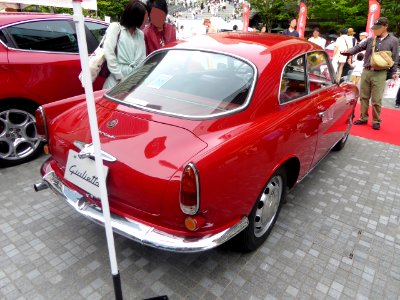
<point>98,30</point>
<point>188,83</point>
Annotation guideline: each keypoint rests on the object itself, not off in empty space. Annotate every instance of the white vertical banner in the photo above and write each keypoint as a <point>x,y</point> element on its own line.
<point>94,129</point>
<point>87,4</point>
<point>91,106</point>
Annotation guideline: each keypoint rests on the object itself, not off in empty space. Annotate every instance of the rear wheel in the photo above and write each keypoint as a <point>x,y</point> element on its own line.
<point>264,213</point>
<point>18,135</point>
<point>340,145</point>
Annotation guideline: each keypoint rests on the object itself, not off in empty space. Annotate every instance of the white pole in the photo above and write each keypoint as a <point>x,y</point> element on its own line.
<point>83,52</point>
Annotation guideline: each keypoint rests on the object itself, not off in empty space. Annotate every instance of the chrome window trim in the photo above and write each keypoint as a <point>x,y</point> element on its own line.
<point>189,117</point>
<point>196,173</point>
<point>61,18</point>
<point>306,81</point>
<point>333,81</point>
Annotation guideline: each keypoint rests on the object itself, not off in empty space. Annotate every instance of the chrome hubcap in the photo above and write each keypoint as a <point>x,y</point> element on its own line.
<point>268,205</point>
<point>18,135</point>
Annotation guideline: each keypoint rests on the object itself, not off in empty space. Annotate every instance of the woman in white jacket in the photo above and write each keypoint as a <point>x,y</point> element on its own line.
<point>124,46</point>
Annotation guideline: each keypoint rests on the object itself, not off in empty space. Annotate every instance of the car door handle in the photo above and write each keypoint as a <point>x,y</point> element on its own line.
<point>321,114</point>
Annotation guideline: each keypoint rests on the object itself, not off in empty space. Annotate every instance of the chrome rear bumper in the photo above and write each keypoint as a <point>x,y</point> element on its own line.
<point>137,231</point>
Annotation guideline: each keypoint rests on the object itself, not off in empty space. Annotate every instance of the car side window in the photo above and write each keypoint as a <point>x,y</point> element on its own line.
<point>293,82</point>
<point>49,35</point>
<point>3,37</point>
<point>98,30</point>
<point>318,72</point>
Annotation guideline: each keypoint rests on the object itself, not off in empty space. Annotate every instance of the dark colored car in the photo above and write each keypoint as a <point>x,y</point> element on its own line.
<point>39,63</point>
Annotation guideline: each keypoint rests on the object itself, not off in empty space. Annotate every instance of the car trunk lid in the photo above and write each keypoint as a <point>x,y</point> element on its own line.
<point>148,153</point>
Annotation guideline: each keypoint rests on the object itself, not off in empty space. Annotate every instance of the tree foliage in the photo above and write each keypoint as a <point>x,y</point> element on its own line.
<point>273,11</point>
<point>111,8</point>
<point>339,13</point>
<point>391,10</point>
<point>330,15</point>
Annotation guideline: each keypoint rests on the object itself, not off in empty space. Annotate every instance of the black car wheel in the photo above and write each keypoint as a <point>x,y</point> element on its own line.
<point>340,144</point>
<point>264,213</point>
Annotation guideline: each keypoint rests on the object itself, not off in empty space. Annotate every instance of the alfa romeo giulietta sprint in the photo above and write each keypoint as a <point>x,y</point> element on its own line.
<point>201,143</point>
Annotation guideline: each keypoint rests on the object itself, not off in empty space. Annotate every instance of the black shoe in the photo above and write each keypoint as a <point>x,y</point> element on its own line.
<point>360,122</point>
<point>376,126</point>
<point>397,106</point>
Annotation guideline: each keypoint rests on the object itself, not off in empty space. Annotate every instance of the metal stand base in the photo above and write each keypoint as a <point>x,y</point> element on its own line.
<point>117,286</point>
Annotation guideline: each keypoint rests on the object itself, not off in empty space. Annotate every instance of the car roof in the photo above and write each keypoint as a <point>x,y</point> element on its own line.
<point>257,48</point>
<point>13,17</point>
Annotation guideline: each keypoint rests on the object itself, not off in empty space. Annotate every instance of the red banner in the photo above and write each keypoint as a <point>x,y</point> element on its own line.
<point>246,16</point>
<point>374,12</point>
<point>301,22</point>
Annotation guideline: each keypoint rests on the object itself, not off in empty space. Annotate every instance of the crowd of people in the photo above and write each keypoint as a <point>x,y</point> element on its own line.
<point>213,8</point>
<point>353,56</point>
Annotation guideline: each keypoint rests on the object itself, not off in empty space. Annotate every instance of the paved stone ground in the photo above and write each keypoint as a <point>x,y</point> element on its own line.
<point>389,103</point>
<point>337,237</point>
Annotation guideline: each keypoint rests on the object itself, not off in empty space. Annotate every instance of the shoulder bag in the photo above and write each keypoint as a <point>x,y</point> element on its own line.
<point>381,60</point>
<point>98,62</point>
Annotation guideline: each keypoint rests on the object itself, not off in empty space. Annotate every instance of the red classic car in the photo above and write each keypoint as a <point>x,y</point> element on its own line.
<point>202,141</point>
<point>39,63</point>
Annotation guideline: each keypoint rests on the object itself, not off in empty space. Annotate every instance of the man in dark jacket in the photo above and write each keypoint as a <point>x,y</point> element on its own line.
<point>291,31</point>
<point>373,81</point>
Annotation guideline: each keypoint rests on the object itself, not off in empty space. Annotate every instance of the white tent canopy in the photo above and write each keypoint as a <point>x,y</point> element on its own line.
<point>87,4</point>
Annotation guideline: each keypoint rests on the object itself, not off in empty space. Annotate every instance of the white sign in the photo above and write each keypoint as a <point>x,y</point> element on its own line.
<point>82,172</point>
<point>87,4</point>
<point>391,88</point>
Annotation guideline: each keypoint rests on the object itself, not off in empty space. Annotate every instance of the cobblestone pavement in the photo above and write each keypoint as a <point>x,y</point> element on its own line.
<point>388,102</point>
<point>337,237</point>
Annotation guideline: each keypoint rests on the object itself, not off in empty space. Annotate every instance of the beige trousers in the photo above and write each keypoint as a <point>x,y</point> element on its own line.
<point>372,87</point>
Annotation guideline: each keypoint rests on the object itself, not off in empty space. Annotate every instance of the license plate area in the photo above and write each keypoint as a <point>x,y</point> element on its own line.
<point>82,173</point>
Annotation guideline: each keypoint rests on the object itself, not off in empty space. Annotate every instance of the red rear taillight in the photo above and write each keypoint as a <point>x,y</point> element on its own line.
<point>190,190</point>
<point>41,126</point>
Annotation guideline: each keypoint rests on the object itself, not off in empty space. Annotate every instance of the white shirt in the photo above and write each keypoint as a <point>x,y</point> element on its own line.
<point>319,41</point>
<point>358,67</point>
<point>343,43</point>
<point>351,40</point>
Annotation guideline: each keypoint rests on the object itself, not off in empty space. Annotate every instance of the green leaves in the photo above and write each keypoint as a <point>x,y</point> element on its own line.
<point>272,11</point>
<point>329,14</point>
<point>111,8</point>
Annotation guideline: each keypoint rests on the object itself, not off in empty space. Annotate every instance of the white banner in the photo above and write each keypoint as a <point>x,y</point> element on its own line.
<point>391,88</point>
<point>87,4</point>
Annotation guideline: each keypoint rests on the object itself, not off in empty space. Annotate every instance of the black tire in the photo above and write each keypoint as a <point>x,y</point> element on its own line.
<point>273,194</point>
<point>342,142</point>
<point>18,135</point>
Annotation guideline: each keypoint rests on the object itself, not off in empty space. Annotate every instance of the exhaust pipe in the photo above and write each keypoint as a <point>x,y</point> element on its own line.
<point>40,186</point>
